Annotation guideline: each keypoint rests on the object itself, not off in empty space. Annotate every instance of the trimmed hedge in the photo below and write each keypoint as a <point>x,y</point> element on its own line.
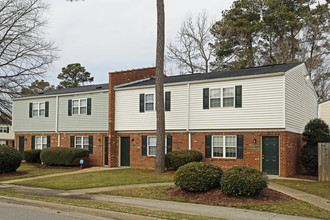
<point>32,156</point>
<point>198,176</point>
<point>176,159</point>
<point>243,181</point>
<point>10,159</point>
<point>65,156</point>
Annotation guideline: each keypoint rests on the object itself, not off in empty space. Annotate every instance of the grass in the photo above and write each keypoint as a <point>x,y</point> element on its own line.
<point>30,170</point>
<point>109,207</point>
<point>293,207</point>
<point>100,179</point>
<point>321,189</point>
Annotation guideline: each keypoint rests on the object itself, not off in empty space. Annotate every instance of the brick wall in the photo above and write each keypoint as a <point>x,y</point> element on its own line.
<point>289,145</point>
<point>116,78</point>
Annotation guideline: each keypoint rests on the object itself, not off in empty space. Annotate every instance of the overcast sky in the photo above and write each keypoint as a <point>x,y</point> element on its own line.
<point>113,35</point>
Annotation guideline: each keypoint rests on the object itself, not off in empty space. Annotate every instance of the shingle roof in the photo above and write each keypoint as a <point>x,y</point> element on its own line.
<point>216,75</point>
<point>104,86</point>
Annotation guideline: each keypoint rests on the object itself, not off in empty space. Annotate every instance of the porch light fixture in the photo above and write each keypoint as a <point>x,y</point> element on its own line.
<point>254,140</point>
<point>307,77</point>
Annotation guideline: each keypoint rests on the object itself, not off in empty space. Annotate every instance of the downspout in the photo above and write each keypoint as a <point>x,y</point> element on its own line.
<point>56,123</point>
<point>188,115</point>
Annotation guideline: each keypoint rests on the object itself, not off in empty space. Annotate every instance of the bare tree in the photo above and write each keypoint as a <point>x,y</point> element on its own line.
<point>190,50</point>
<point>159,86</point>
<point>24,54</point>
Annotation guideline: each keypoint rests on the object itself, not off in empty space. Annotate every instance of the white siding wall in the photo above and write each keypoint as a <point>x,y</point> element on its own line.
<point>129,118</point>
<point>97,121</point>
<point>5,136</point>
<point>262,107</point>
<point>300,99</point>
<point>22,122</point>
<point>324,111</point>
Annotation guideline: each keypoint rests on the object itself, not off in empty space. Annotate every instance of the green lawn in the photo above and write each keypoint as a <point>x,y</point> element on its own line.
<point>321,189</point>
<point>293,207</point>
<point>29,170</point>
<point>100,179</point>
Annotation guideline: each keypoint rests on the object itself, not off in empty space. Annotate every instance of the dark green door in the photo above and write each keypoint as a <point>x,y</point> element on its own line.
<point>124,151</point>
<point>21,144</point>
<point>106,151</point>
<point>270,155</point>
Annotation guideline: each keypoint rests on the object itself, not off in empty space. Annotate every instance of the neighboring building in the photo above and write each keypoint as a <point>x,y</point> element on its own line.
<point>6,132</point>
<point>252,117</point>
<point>324,112</point>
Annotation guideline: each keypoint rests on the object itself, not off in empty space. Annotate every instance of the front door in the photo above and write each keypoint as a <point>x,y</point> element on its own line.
<point>270,155</point>
<point>125,151</point>
<point>21,144</point>
<point>106,151</point>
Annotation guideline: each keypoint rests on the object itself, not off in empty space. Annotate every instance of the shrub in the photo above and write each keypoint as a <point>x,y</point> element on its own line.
<point>176,159</point>
<point>65,156</point>
<point>198,176</point>
<point>243,181</point>
<point>10,159</point>
<point>32,156</point>
<point>315,131</point>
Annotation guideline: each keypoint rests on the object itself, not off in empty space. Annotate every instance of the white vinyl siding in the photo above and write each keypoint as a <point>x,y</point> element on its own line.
<point>4,135</point>
<point>300,99</point>
<point>324,110</point>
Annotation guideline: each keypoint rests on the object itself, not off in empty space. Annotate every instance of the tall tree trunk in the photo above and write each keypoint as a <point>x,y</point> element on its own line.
<point>160,152</point>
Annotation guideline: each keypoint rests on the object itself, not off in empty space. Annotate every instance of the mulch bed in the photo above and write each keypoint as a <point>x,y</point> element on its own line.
<point>216,197</point>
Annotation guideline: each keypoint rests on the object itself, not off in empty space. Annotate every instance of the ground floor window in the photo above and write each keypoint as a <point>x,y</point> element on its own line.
<point>3,142</point>
<point>224,146</point>
<point>152,143</point>
<point>41,142</point>
<point>82,142</point>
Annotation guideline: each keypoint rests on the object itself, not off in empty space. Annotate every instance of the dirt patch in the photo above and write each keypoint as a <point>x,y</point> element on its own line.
<point>216,197</point>
<point>18,173</point>
<point>44,166</point>
<point>305,177</point>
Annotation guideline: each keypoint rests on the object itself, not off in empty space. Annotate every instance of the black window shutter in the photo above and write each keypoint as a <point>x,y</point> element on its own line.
<point>70,107</point>
<point>206,98</point>
<point>7,143</point>
<point>33,142</point>
<point>169,143</point>
<point>238,96</point>
<point>30,110</point>
<point>7,129</point>
<point>89,106</point>
<point>240,144</point>
<point>208,146</point>
<point>90,144</point>
<point>167,101</point>
<point>48,141</point>
<point>141,102</point>
<point>71,141</point>
<point>46,109</point>
<point>144,145</point>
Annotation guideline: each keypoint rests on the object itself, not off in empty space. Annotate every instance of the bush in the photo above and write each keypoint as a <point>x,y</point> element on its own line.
<point>10,159</point>
<point>65,156</point>
<point>32,156</point>
<point>315,131</point>
<point>198,176</point>
<point>243,181</point>
<point>176,159</point>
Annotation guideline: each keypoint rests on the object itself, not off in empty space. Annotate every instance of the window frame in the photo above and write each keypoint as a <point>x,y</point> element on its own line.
<point>2,142</point>
<point>152,136</point>
<point>41,144</point>
<point>153,102</point>
<point>216,98</point>
<point>79,106</point>
<point>224,146</point>
<point>3,129</point>
<point>39,109</point>
<point>223,97</point>
<point>82,142</point>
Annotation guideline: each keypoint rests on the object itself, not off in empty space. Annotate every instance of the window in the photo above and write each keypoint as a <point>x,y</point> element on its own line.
<point>82,142</point>
<point>38,109</point>
<point>224,146</point>
<point>79,106</point>
<point>228,97</point>
<point>3,129</point>
<point>150,102</point>
<point>3,143</point>
<point>152,143</point>
<point>41,142</point>
<point>215,98</point>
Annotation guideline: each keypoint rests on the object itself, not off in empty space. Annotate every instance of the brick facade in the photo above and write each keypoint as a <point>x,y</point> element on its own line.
<point>289,146</point>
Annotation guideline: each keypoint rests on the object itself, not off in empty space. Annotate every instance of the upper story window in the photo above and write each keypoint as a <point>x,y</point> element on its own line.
<point>4,129</point>
<point>150,102</point>
<point>82,142</point>
<point>224,146</point>
<point>228,97</point>
<point>79,106</point>
<point>215,98</point>
<point>152,143</point>
<point>147,102</point>
<point>222,97</point>
<point>41,142</point>
<point>38,109</point>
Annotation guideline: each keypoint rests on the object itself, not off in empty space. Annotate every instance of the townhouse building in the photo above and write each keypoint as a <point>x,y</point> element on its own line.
<point>6,132</point>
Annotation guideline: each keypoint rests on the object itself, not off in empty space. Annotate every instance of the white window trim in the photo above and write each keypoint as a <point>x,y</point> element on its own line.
<point>210,97</point>
<point>36,144</point>
<point>151,155</point>
<point>224,146</point>
<point>145,102</point>
<point>233,87</point>
<point>82,142</point>
<point>39,109</point>
<point>79,106</point>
